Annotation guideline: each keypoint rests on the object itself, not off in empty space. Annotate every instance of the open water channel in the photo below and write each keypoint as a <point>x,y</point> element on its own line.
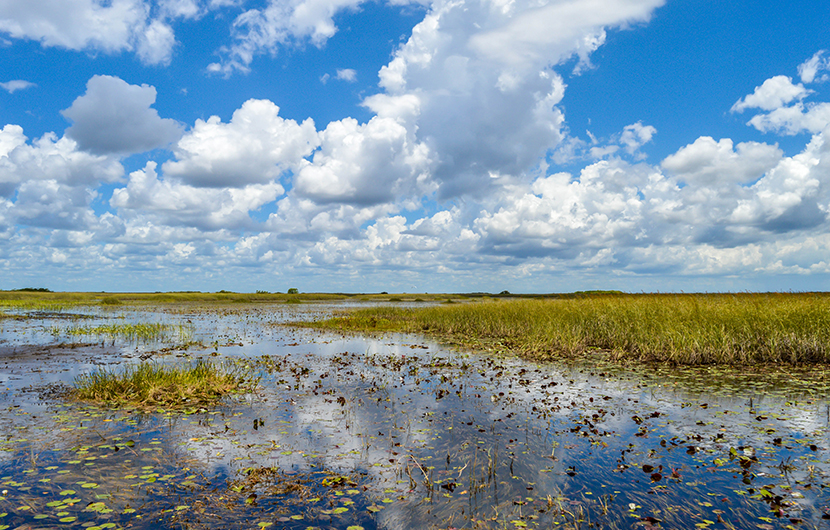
<point>397,432</point>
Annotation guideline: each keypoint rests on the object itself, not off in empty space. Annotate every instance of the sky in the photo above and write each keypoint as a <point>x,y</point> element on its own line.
<point>415,145</point>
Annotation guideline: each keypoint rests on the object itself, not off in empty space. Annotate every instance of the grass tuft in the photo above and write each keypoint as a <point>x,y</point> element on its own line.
<point>741,329</point>
<point>110,300</point>
<point>156,385</point>
<point>141,331</point>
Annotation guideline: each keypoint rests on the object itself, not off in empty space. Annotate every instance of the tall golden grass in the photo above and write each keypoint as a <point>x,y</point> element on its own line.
<point>736,329</point>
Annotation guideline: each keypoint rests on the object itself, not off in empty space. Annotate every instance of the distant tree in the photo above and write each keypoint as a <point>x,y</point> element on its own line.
<point>505,293</point>
<point>293,290</point>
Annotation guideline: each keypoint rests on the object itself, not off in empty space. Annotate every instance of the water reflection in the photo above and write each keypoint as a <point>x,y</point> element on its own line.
<point>396,432</point>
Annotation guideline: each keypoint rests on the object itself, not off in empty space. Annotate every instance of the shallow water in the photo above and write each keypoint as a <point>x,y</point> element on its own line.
<point>398,432</point>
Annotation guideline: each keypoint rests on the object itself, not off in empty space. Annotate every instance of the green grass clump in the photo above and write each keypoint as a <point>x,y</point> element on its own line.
<point>110,300</point>
<point>144,332</point>
<point>155,385</point>
<point>730,329</point>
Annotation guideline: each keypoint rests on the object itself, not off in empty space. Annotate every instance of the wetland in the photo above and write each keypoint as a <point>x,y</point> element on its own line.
<point>375,424</point>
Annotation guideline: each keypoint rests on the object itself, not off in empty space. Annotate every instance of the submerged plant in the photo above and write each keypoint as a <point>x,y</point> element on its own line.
<point>152,384</point>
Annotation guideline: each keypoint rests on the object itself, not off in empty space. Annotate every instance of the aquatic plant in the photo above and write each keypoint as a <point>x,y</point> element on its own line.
<point>683,329</point>
<point>134,332</point>
<point>152,385</point>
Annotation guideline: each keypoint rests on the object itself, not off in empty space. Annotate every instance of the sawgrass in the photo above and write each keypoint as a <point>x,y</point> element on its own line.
<point>142,331</point>
<point>155,385</point>
<point>734,329</point>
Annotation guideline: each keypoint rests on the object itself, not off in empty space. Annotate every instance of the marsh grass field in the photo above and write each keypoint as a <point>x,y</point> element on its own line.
<point>364,412</point>
<point>728,329</point>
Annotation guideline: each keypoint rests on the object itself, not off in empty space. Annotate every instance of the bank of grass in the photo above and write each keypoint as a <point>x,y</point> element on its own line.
<point>149,385</point>
<point>60,301</point>
<point>735,329</point>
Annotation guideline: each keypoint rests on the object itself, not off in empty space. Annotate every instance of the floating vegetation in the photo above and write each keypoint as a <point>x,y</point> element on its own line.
<point>678,329</point>
<point>156,385</point>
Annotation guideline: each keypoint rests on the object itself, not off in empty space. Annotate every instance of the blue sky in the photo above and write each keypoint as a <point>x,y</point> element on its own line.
<point>414,146</point>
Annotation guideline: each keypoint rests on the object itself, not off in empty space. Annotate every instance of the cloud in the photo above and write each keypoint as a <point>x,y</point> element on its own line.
<point>155,42</point>
<point>111,27</point>
<point>18,84</point>
<point>448,182</point>
<point>47,203</point>
<point>50,158</point>
<point>773,94</point>
<point>280,23</point>
<point>811,68</point>
<point>794,195</point>
<point>347,74</point>
<point>363,164</point>
<point>256,146</point>
<point>706,195</point>
<point>559,215</point>
<point>636,135</point>
<point>302,220</point>
<point>486,94</point>
<point>520,36</point>
<point>187,9</point>
<point>171,203</point>
<point>630,140</point>
<point>786,112</point>
<point>114,117</point>
<point>795,119</point>
<point>709,163</point>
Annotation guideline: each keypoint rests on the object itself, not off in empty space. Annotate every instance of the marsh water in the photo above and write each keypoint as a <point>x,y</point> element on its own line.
<point>397,432</point>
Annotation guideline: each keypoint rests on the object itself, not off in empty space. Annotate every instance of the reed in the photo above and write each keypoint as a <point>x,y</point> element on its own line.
<point>734,329</point>
<point>156,385</point>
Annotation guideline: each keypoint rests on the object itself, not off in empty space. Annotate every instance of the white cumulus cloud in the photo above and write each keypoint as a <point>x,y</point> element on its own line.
<point>773,94</point>
<point>795,119</point>
<point>172,203</point>
<point>363,164</point>
<point>109,26</point>
<point>710,163</point>
<point>785,111</point>
<point>114,117</point>
<point>480,74</point>
<point>256,146</point>
<point>50,158</point>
